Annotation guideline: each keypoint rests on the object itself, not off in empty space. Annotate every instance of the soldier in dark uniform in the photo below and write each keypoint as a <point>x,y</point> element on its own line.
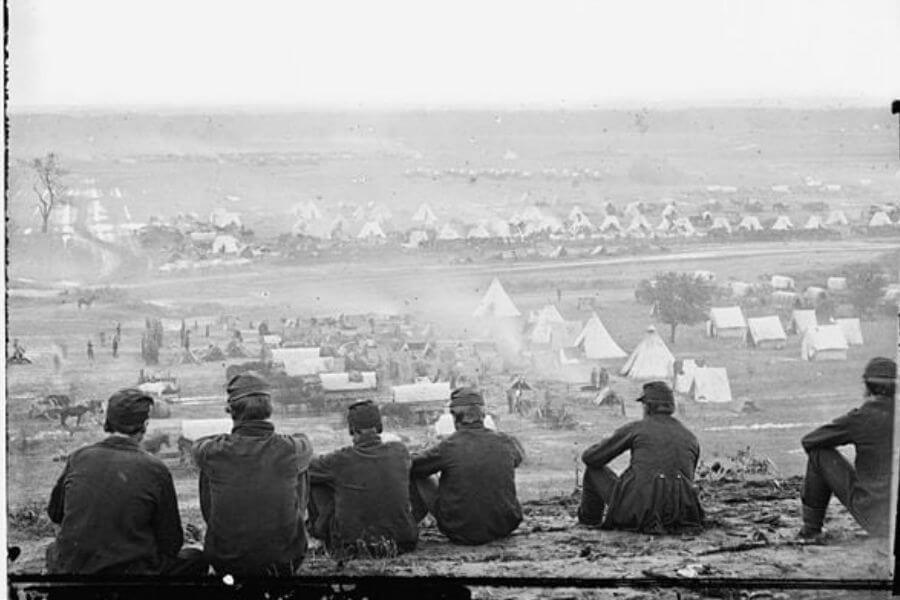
<point>115,346</point>
<point>253,487</point>
<point>90,351</point>
<point>656,493</point>
<point>116,504</point>
<point>359,495</point>
<point>474,500</point>
<point>864,488</point>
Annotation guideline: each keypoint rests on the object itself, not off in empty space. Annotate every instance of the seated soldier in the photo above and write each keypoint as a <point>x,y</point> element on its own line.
<point>655,494</point>
<point>474,500</point>
<point>866,489</point>
<point>253,487</point>
<point>359,495</point>
<point>116,504</point>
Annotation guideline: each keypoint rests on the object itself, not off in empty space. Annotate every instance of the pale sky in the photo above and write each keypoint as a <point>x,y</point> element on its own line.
<point>467,53</point>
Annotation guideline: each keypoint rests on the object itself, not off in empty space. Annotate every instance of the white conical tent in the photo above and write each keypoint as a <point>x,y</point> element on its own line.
<point>710,384</point>
<point>814,222</point>
<point>576,214</point>
<point>783,223</point>
<point>669,211</point>
<point>721,223</point>
<point>306,210</point>
<point>479,232</point>
<point>500,228</point>
<point>496,303</point>
<point>639,224</point>
<point>370,230</point>
<point>650,360</point>
<point>750,223</point>
<point>880,219</point>
<point>425,215</point>
<point>664,225</point>
<point>448,233</point>
<point>549,314</point>
<point>611,222</point>
<point>595,341</point>
<point>683,226</point>
<point>581,224</point>
<point>836,217</point>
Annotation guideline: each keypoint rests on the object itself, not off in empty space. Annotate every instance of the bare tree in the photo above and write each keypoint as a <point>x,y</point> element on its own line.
<point>49,187</point>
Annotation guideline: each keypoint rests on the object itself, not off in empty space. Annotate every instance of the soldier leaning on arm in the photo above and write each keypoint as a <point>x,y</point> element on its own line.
<point>474,499</point>
<point>253,487</point>
<point>656,493</point>
<point>116,504</point>
<point>865,489</point>
<point>359,494</point>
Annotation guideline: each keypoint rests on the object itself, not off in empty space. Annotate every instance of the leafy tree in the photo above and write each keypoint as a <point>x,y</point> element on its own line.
<point>865,289</point>
<point>676,299</point>
<point>48,186</point>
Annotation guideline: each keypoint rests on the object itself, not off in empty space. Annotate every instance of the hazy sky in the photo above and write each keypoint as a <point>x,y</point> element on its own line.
<point>455,53</point>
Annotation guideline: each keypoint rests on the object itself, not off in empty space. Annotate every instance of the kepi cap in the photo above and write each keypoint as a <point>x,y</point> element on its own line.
<point>248,383</point>
<point>881,370</point>
<point>465,396</point>
<point>127,409</point>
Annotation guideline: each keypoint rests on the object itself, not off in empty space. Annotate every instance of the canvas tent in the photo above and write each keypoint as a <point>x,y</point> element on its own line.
<point>225,244</point>
<point>421,392</point>
<point>610,223</point>
<point>880,219</point>
<point>425,216</point>
<point>766,332</point>
<point>496,303</point>
<point>726,322</point>
<point>710,384</point>
<point>721,223</point>
<point>651,359</point>
<point>782,223</point>
<point>782,282</point>
<point>683,226</point>
<point>750,223</point>
<point>836,217</point>
<point>814,222</point>
<point>371,230</point>
<point>852,331</point>
<point>548,313</point>
<point>595,341</point>
<point>448,233</point>
<point>824,342</point>
<point>836,284</point>
<point>348,382</point>
<point>478,232</point>
<point>684,379</point>
<point>802,320</point>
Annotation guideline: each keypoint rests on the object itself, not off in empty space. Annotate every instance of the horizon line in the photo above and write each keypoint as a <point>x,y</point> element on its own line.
<point>786,103</point>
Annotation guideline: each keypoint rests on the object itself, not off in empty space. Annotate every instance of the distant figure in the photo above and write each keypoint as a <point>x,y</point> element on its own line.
<point>595,378</point>
<point>207,331</point>
<point>558,295</point>
<point>865,489</point>
<point>124,520</point>
<point>359,494</point>
<point>102,338</point>
<point>90,351</point>
<point>656,493</point>
<point>57,362</point>
<point>118,329</point>
<point>115,347</point>
<point>187,341</point>
<point>474,499</point>
<point>18,350</point>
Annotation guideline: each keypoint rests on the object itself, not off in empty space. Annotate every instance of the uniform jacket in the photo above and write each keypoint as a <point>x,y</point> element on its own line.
<point>655,494</point>
<point>370,480</point>
<point>118,511</point>
<point>253,494</point>
<point>870,428</point>
<point>477,494</point>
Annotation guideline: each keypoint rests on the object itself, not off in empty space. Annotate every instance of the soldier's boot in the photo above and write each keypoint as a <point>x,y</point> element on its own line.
<point>813,518</point>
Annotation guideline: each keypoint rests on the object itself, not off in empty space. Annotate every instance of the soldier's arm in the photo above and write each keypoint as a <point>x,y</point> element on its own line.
<point>56,508</point>
<point>303,447</point>
<point>428,462</point>
<point>166,520</point>
<point>518,450</point>
<point>321,468</point>
<point>605,451</point>
<point>836,433</point>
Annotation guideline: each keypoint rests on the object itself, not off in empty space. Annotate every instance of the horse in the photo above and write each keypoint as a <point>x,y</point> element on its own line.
<point>85,302</point>
<point>78,411</point>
